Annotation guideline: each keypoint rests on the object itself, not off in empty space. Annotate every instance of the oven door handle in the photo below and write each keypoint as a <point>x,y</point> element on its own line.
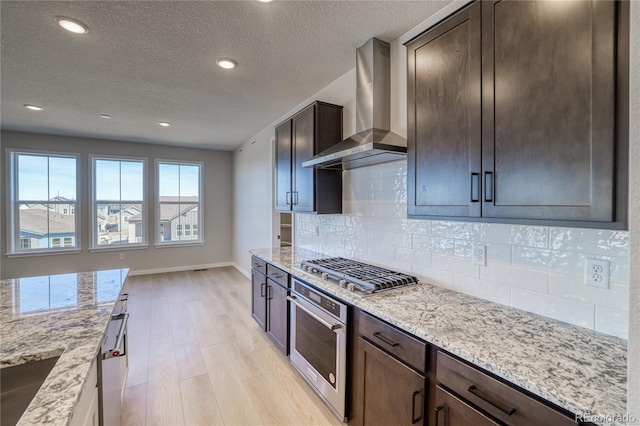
<point>331,327</point>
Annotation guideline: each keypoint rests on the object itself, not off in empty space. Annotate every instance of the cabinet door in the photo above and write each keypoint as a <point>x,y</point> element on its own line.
<point>444,102</point>
<point>451,411</point>
<point>548,109</point>
<point>278,312</point>
<point>283,167</point>
<point>259,299</point>
<point>303,131</point>
<point>391,392</point>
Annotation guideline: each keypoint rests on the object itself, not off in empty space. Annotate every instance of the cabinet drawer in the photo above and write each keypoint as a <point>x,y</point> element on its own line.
<point>496,398</point>
<point>452,411</point>
<point>278,275</point>
<point>259,265</point>
<point>408,349</point>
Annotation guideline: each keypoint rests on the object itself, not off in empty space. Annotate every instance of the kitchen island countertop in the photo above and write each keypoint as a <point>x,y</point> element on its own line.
<point>580,370</point>
<point>62,315</point>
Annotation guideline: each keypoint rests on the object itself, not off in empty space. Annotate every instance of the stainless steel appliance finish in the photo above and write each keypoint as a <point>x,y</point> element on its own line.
<point>373,142</point>
<point>360,278</point>
<point>113,365</point>
<point>318,343</point>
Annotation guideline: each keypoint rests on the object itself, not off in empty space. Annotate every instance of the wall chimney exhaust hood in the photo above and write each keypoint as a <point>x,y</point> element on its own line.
<point>373,142</point>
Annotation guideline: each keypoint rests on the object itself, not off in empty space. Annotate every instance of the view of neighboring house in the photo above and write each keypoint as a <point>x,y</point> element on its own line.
<point>178,221</point>
<point>40,228</point>
<point>57,208</point>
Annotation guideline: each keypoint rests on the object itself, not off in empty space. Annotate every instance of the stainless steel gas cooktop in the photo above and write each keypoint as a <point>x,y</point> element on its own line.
<point>358,277</point>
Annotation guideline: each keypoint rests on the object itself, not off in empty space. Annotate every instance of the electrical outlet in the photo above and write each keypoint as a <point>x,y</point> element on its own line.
<point>479,255</point>
<point>596,273</point>
<point>121,256</point>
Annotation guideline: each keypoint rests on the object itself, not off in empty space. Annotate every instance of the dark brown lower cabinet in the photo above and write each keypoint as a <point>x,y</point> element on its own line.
<point>259,298</point>
<point>278,314</point>
<point>392,393</point>
<point>451,411</point>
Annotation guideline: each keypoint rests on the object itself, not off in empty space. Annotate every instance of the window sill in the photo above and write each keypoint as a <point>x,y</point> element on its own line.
<point>123,247</point>
<point>179,244</point>
<point>43,253</point>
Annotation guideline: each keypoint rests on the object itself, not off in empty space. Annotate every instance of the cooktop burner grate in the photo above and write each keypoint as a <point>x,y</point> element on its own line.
<point>358,276</point>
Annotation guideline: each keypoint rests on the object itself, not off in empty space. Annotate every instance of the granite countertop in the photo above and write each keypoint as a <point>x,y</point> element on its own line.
<point>580,370</point>
<point>57,315</point>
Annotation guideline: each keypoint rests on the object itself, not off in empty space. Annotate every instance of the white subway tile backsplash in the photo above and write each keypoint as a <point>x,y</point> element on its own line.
<point>601,242</point>
<point>457,230</point>
<point>536,268</point>
<point>562,309</point>
<point>414,257</point>
<point>497,272</point>
<point>442,245</point>
<point>484,289</point>
<point>456,265</point>
<point>530,257</point>
<point>611,321</point>
<point>530,236</point>
<point>433,276</point>
<point>495,233</point>
<point>572,287</point>
<point>529,279</point>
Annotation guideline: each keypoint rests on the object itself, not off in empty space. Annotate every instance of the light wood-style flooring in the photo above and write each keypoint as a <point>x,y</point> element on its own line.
<point>196,357</point>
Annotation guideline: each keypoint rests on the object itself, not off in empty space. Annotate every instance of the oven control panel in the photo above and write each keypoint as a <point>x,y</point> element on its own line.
<point>326,303</point>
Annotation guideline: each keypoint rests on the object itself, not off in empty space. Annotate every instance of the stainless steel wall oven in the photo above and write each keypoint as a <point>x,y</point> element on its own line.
<point>318,343</point>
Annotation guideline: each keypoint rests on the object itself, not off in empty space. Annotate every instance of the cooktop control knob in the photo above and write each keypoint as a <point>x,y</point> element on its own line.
<point>343,283</point>
<point>325,276</point>
<point>351,287</point>
<point>314,270</point>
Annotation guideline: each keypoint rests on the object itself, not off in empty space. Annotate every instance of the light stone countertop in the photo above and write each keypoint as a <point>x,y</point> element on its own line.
<point>580,370</point>
<point>58,315</point>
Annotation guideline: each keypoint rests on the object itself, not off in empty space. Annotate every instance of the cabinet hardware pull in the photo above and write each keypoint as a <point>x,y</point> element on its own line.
<point>276,275</point>
<point>294,198</point>
<point>262,288</point>
<point>388,342</point>
<point>446,413</point>
<point>288,198</point>
<point>331,327</point>
<point>413,408</point>
<point>475,187</point>
<point>474,390</point>
<point>269,292</point>
<point>488,186</point>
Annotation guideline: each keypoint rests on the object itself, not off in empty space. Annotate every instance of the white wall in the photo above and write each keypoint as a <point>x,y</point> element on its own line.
<point>634,209</point>
<point>217,224</point>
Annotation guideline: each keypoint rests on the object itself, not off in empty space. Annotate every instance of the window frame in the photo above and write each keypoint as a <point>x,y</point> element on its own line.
<point>13,204</point>
<point>159,243</point>
<point>93,204</point>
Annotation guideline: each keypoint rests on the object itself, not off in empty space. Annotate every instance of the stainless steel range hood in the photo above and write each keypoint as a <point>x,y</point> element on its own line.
<point>373,142</point>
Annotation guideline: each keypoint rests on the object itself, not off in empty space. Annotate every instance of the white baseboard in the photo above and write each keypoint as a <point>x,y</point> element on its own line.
<point>242,271</point>
<point>184,268</point>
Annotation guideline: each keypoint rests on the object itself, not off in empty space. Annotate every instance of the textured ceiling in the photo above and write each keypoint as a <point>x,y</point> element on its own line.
<point>149,61</point>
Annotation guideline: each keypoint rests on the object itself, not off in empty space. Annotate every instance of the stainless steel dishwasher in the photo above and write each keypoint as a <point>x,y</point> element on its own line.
<point>113,365</point>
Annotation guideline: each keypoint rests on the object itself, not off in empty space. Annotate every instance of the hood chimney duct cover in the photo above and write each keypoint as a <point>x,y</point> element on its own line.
<point>373,141</point>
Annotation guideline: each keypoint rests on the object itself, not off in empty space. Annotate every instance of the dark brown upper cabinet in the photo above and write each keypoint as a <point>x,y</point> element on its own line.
<point>307,133</point>
<point>517,113</point>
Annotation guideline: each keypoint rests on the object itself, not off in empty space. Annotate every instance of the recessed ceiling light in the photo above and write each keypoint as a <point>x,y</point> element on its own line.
<point>226,63</point>
<point>72,25</point>
<point>33,107</point>
<point>264,1</point>
<point>164,123</point>
<point>104,116</point>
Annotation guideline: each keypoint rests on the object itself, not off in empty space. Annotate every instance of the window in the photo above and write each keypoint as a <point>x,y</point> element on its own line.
<point>179,202</point>
<point>43,185</point>
<point>195,230</point>
<point>25,243</point>
<point>67,242</point>
<point>118,207</point>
